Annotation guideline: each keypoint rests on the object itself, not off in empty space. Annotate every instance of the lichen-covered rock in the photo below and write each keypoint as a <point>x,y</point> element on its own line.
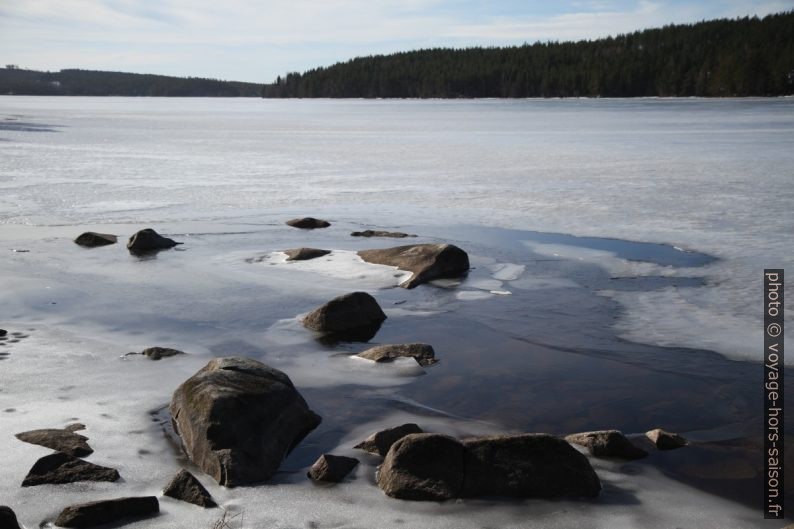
<point>426,261</point>
<point>239,418</point>
<point>331,468</point>
<point>107,511</point>
<point>607,443</point>
<point>422,352</point>
<point>185,487</point>
<point>304,254</point>
<point>665,440</point>
<point>149,240</point>
<point>308,223</point>
<point>92,239</point>
<point>58,468</point>
<point>437,467</point>
<point>347,316</point>
<point>380,442</point>
<point>60,439</point>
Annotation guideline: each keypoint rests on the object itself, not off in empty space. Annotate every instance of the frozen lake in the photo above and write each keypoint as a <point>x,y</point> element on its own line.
<point>617,245</point>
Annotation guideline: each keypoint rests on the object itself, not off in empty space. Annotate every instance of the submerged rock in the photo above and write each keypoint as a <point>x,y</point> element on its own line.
<point>239,418</point>
<point>332,468</point>
<point>3,332</point>
<point>304,254</point>
<point>149,240</point>
<point>426,261</point>
<point>665,440</point>
<point>8,519</point>
<point>58,468</point>
<point>308,223</point>
<point>380,442</point>
<point>156,353</point>
<point>92,239</point>
<point>107,511</point>
<point>422,352</point>
<point>60,439</point>
<point>351,316</point>
<point>376,233</point>
<point>607,443</point>
<point>436,467</point>
<point>185,487</point>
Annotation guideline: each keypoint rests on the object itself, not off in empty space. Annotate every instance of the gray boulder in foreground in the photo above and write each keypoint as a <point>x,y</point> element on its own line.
<point>435,467</point>
<point>422,352</point>
<point>107,511</point>
<point>58,468</point>
<point>61,439</point>
<point>380,442</point>
<point>238,419</point>
<point>8,519</point>
<point>304,254</point>
<point>426,261</point>
<point>331,468</point>
<point>92,239</point>
<point>185,487</point>
<point>149,240</point>
<point>607,443</point>
<point>346,313</point>
<point>665,440</point>
<point>308,223</point>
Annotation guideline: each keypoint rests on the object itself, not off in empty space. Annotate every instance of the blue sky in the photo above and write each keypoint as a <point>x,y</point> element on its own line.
<point>252,40</point>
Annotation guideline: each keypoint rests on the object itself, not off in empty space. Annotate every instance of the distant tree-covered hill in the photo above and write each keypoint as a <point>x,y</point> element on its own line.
<point>93,83</point>
<point>742,57</point>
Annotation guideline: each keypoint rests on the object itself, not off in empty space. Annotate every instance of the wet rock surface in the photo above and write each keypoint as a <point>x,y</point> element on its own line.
<point>156,353</point>
<point>422,352</point>
<point>380,442</point>
<point>58,468</point>
<point>308,223</point>
<point>148,240</point>
<point>92,239</point>
<point>607,443</point>
<point>378,233</point>
<point>185,487</point>
<point>426,261</point>
<point>331,468</point>
<point>665,440</point>
<point>346,315</point>
<point>304,254</point>
<point>239,418</point>
<point>108,511</point>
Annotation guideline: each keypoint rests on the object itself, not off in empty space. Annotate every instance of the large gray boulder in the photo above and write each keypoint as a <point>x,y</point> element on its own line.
<point>107,511</point>
<point>426,261</point>
<point>435,467</point>
<point>92,239</point>
<point>60,439</point>
<point>347,316</point>
<point>607,443</point>
<point>239,418</point>
<point>58,468</point>
<point>149,240</point>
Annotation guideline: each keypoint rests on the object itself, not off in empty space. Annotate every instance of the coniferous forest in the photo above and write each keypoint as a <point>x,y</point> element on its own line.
<point>93,83</point>
<point>741,57</point>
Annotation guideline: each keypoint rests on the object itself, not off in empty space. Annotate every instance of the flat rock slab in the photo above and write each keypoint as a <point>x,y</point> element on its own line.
<point>238,419</point>
<point>149,240</point>
<point>426,261</point>
<point>8,519</point>
<point>380,442</point>
<point>92,239</point>
<point>350,314</point>
<point>156,353</point>
<point>422,352</point>
<point>332,468</point>
<point>665,440</point>
<point>304,254</point>
<point>185,487</point>
<point>60,439</point>
<point>108,511</point>
<point>607,443</point>
<point>435,467</point>
<point>377,233</point>
<point>308,223</point>
<point>58,468</point>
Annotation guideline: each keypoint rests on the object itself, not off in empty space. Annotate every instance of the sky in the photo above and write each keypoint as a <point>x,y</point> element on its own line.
<point>257,40</point>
